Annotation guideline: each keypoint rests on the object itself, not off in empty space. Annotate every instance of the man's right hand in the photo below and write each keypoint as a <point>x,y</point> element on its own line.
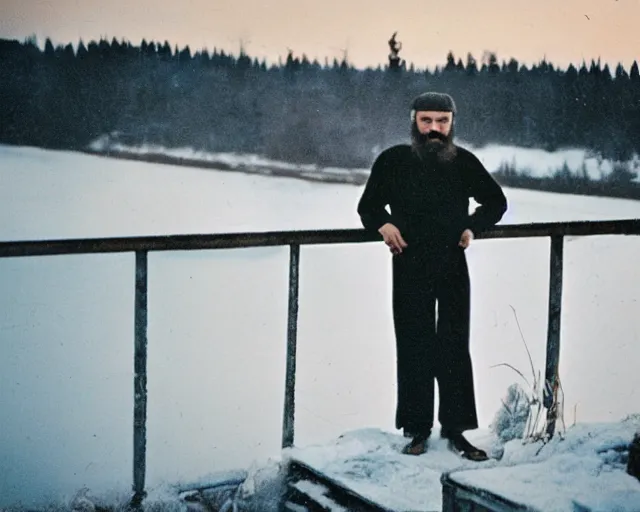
<point>392,238</point>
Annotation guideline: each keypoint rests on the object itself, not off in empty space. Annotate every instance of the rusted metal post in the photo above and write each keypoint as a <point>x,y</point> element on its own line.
<point>140,379</point>
<point>292,334</point>
<point>553,333</point>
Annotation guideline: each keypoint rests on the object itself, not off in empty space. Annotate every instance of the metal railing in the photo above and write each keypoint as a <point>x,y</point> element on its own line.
<point>141,246</point>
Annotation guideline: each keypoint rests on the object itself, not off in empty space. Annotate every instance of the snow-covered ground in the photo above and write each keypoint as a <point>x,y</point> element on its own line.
<point>539,162</point>
<point>217,322</point>
<point>535,162</point>
<point>248,163</point>
<point>584,466</point>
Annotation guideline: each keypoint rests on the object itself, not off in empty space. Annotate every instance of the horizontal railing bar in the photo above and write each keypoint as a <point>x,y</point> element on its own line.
<point>283,238</point>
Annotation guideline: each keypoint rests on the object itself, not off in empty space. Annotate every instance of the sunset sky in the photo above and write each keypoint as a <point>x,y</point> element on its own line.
<point>565,31</point>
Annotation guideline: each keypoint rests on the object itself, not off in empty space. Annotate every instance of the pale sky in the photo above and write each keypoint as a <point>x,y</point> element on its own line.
<point>565,31</point>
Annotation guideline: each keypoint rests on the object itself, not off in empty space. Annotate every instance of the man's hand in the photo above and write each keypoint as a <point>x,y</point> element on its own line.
<point>392,238</point>
<point>465,238</point>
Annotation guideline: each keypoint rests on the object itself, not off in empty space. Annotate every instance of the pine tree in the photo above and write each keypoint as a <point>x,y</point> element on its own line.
<point>634,74</point>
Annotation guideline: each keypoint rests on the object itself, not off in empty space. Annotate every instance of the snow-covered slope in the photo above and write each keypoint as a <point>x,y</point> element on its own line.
<point>535,162</point>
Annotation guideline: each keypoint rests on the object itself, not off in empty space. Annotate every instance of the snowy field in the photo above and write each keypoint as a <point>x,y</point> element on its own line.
<point>217,322</point>
<point>535,162</point>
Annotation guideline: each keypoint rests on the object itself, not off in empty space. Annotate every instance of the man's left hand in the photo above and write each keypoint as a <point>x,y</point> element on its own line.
<point>465,239</point>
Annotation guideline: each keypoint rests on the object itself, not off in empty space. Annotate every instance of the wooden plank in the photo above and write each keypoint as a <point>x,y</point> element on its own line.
<point>553,332</point>
<point>280,238</point>
<point>458,497</point>
<point>312,496</point>
<point>292,335</point>
<point>140,376</point>
<point>340,492</point>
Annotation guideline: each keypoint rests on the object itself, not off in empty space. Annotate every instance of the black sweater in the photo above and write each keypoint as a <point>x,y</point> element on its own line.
<point>429,201</point>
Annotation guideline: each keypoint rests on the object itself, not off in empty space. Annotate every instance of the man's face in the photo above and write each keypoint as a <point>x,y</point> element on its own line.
<point>433,121</point>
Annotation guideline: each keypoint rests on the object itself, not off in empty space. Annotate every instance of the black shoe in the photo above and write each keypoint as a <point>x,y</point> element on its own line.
<point>417,445</point>
<point>459,444</point>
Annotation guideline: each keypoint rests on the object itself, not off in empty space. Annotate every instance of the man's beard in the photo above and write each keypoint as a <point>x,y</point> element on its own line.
<point>433,144</point>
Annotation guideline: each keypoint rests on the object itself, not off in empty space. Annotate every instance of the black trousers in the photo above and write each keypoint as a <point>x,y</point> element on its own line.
<point>424,280</point>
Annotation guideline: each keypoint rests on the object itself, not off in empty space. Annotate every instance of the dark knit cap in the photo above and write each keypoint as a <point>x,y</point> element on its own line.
<point>437,101</point>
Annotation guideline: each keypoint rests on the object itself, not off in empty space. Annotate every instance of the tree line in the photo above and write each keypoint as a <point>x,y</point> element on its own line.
<point>299,110</point>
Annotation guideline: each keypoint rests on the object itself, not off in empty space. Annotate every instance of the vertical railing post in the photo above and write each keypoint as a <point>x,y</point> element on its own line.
<point>140,379</point>
<point>292,333</point>
<point>553,333</point>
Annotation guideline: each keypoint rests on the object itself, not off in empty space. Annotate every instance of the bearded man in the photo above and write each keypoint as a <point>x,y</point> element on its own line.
<point>427,185</point>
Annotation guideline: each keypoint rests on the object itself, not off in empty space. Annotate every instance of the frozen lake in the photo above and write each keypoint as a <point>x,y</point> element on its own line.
<point>217,321</point>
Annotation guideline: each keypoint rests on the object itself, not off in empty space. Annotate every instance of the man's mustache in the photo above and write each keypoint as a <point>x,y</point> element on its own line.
<point>437,135</point>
